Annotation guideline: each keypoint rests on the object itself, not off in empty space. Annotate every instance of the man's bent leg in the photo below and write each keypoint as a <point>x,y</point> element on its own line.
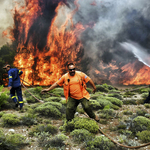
<point>71,108</point>
<point>12,94</point>
<point>87,108</point>
<point>19,95</point>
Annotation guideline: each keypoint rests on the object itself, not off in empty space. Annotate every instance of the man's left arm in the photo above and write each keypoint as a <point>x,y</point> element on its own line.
<point>93,85</point>
<point>20,72</point>
<point>88,79</point>
<point>10,80</point>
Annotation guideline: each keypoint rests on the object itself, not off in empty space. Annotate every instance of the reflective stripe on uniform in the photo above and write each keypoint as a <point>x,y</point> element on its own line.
<point>20,102</point>
<point>13,97</point>
<point>10,76</point>
<point>19,71</point>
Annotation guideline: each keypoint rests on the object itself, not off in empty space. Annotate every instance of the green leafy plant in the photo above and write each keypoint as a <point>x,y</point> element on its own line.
<point>43,128</point>
<point>3,97</point>
<point>11,141</point>
<point>144,136</point>
<point>100,142</point>
<point>50,109</point>
<point>10,119</point>
<point>29,119</point>
<point>81,135</point>
<point>81,123</point>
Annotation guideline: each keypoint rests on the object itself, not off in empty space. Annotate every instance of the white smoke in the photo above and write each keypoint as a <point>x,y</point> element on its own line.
<point>138,51</point>
<point>111,17</point>
<point>6,17</point>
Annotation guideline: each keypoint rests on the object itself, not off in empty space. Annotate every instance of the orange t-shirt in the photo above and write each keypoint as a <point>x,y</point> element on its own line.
<point>74,85</point>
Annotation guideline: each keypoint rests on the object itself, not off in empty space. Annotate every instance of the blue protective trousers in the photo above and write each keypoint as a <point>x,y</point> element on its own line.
<point>19,95</point>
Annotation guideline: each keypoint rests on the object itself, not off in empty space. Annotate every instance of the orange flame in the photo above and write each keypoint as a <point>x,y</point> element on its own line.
<point>45,67</point>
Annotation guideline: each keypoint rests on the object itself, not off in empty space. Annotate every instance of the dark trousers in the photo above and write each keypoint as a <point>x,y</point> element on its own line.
<point>19,95</point>
<point>147,99</point>
<point>72,106</point>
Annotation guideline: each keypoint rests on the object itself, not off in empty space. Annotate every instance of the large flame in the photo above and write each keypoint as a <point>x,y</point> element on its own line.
<point>45,65</point>
<point>47,39</point>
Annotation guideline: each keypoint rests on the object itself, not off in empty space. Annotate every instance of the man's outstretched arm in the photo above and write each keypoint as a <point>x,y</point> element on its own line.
<point>93,85</point>
<point>53,86</point>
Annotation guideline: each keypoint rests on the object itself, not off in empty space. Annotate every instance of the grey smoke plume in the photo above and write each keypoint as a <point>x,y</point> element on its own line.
<point>6,17</point>
<point>115,21</point>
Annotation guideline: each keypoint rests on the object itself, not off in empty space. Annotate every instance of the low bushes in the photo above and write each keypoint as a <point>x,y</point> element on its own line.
<point>80,123</point>
<point>11,141</point>
<point>140,123</point>
<point>43,128</point>
<point>100,142</point>
<point>47,141</point>
<point>144,136</point>
<point>81,135</point>
<point>50,109</point>
<point>10,120</point>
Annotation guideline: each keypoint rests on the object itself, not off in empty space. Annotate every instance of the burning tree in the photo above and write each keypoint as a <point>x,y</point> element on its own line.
<point>45,41</point>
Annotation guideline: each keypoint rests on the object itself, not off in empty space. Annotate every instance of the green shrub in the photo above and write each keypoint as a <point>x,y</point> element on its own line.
<point>121,125</point>
<point>1,114</point>
<point>11,141</point>
<point>143,90</point>
<point>114,101</point>
<point>43,128</point>
<point>144,136</point>
<point>101,143</point>
<point>81,123</point>
<point>95,104</point>
<point>81,135</point>
<point>101,88</point>
<point>16,139</point>
<point>94,96</point>
<point>116,95</point>
<point>3,97</point>
<point>144,95</point>
<point>86,123</point>
<point>109,87</point>
<point>31,99</point>
<point>53,99</point>
<point>104,103</point>
<point>130,102</point>
<point>147,105</point>
<point>47,141</point>
<point>140,123</point>
<point>127,112</point>
<point>50,109</point>
<point>10,119</point>
<point>106,113</point>
<point>58,92</point>
<point>115,107</point>
<point>29,119</point>
<point>34,91</point>
<point>141,112</point>
<point>129,94</point>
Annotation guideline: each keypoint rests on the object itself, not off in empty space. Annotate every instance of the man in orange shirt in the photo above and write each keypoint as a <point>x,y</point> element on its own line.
<point>74,84</point>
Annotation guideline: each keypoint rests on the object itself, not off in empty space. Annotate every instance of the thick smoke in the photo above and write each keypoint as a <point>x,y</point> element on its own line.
<point>115,21</point>
<point>6,19</point>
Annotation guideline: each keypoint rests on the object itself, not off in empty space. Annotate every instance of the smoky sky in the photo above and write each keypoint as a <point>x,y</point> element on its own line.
<point>6,17</point>
<point>115,21</point>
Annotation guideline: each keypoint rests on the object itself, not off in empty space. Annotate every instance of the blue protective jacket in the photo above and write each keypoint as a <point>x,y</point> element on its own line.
<point>14,79</point>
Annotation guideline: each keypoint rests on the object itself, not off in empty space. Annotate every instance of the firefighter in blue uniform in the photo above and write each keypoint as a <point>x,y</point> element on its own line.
<point>14,84</point>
